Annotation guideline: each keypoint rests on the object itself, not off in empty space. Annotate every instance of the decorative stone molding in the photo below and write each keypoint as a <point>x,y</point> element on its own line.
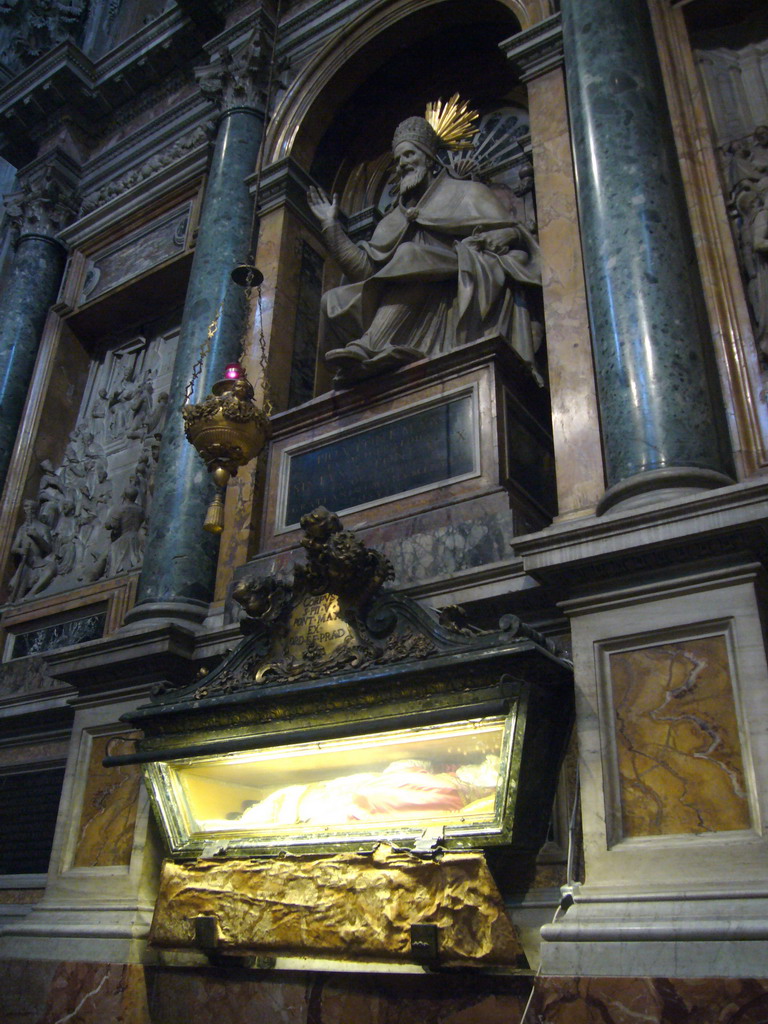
<point>47,200</point>
<point>537,50</point>
<point>154,165</point>
<point>284,183</point>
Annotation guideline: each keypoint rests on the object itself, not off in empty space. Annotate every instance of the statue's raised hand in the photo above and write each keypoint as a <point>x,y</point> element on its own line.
<point>326,210</point>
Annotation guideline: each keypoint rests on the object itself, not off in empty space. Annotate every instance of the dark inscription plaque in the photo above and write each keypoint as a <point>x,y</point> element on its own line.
<point>63,634</point>
<point>429,447</point>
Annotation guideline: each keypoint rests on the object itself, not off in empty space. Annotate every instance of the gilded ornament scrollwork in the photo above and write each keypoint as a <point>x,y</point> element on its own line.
<point>336,617</point>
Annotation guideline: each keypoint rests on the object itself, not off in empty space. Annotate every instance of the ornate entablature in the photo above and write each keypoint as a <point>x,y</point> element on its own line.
<point>66,81</point>
<point>354,738</point>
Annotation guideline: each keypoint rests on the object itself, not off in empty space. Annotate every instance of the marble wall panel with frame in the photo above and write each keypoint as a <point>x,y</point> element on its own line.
<point>102,878</point>
<point>674,757</point>
<point>40,765</point>
<point>104,806</point>
<point>473,375</point>
<point>695,643</point>
<point>52,622</point>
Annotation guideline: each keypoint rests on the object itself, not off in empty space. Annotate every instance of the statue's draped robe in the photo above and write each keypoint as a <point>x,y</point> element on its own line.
<point>431,280</point>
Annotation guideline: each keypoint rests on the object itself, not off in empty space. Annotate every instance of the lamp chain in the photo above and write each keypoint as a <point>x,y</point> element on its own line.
<point>205,348</point>
<point>263,357</point>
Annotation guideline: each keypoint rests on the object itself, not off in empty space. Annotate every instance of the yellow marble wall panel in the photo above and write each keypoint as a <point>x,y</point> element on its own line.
<point>108,816</point>
<point>575,421</point>
<point>677,739</point>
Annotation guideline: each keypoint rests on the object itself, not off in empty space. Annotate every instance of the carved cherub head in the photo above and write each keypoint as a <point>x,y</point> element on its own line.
<point>320,523</point>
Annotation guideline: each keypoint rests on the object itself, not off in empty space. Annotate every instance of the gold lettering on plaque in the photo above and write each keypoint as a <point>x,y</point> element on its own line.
<point>315,630</point>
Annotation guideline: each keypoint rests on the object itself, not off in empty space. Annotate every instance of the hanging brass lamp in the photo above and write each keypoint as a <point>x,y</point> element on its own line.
<point>227,429</point>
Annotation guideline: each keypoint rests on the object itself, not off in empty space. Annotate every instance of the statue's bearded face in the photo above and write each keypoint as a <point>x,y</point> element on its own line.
<point>412,167</point>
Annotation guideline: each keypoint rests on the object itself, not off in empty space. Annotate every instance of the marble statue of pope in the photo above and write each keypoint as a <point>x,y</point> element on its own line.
<point>447,265</point>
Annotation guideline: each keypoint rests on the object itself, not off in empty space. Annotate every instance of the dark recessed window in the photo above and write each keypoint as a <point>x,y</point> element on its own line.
<point>29,803</point>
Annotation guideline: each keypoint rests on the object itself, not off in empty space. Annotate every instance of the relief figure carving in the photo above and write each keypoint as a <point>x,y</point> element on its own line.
<point>749,199</point>
<point>447,265</point>
<point>99,412</point>
<point>124,524</point>
<point>88,522</point>
<point>140,406</point>
<point>34,548</point>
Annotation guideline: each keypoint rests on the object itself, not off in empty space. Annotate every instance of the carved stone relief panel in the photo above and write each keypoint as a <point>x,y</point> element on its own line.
<point>30,677</point>
<point>735,77</point>
<point>89,519</point>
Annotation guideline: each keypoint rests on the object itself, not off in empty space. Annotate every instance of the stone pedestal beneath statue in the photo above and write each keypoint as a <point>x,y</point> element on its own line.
<point>438,465</point>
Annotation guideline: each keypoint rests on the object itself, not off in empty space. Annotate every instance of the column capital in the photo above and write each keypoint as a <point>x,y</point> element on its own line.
<point>237,74</point>
<point>537,50</point>
<point>47,200</point>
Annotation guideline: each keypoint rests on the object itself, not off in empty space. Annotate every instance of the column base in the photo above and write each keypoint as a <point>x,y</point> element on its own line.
<point>660,485</point>
<point>188,613</point>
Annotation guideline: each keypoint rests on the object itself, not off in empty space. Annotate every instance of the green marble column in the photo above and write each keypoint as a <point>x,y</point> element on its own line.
<point>28,294</point>
<point>662,421</point>
<point>179,567</point>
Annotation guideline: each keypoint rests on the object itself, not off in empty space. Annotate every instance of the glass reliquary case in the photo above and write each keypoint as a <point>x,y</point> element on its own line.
<point>452,780</point>
<point>351,715</point>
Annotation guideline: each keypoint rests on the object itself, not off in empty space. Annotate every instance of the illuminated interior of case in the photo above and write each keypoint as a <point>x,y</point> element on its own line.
<point>449,775</point>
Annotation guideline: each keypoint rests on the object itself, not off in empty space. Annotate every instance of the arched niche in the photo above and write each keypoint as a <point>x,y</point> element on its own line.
<point>335,124</point>
<point>385,31</point>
